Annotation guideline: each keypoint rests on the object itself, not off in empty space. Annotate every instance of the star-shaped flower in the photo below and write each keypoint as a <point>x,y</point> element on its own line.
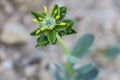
<point>52,25</point>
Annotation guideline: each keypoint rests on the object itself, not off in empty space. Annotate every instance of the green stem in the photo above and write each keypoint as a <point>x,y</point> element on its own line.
<point>68,65</point>
<point>63,45</point>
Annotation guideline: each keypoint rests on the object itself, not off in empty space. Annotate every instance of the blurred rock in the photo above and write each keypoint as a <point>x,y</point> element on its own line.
<point>30,71</point>
<point>7,64</point>
<point>2,19</point>
<point>27,60</point>
<point>102,61</point>
<point>7,6</point>
<point>28,5</point>
<point>117,27</point>
<point>44,73</point>
<point>59,2</point>
<point>14,33</point>
<point>3,55</point>
<point>99,17</point>
<point>7,74</point>
<point>117,4</point>
<point>104,73</point>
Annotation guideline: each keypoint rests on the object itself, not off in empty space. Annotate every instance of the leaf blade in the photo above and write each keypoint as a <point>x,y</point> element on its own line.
<point>83,45</point>
<point>86,72</point>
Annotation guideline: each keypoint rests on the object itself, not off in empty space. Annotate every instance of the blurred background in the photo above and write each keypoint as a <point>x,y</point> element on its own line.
<point>20,60</point>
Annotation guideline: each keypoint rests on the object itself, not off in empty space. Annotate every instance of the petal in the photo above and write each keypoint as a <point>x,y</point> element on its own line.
<point>72,31</point>
<point>67,32</point>
<point>45,9</point>
<point>59,27</point>
<point>69,22</point>
<point>55,11</point>
<point>37,32</point>
<point>42,41</point>
<point>51,35</point>
<point>63,11</point>
<point>34,32</point>
<point>38,15</point>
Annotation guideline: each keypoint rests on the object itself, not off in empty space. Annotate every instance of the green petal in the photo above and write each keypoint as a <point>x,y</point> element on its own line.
<point>59,27</point>
<point>63,11</point>
<point>71,31</point>
<point>44,14</point>
<point>69,22</point>
<point>37,15</point>
<point>42,41</point>
<point>34,32</point>
<point>51,35</point>
<point>55,11</point>
<point>67,32</point>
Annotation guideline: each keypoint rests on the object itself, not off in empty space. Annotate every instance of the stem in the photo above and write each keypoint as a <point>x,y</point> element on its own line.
<point>68,65</point>
<point>63,45</point>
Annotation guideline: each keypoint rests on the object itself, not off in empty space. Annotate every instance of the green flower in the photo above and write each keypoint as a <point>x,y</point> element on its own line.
<point>50,26</point>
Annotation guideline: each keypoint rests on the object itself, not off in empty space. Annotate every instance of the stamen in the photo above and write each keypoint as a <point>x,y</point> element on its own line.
<point>35,20</point>
<point>40,18</point>
<point>62,23</point>
<point>51,28</point>
<point>37,32</point>
<point>55,11</point>
<point>42,29</point>
<point>45,9</point>
<point>57,17</point>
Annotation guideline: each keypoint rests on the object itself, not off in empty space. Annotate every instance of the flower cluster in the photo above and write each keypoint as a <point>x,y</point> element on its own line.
<point>52,25</point>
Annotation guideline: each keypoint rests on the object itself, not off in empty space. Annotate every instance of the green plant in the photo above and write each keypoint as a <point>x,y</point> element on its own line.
<point>50,31</point>
<point>112,52</point>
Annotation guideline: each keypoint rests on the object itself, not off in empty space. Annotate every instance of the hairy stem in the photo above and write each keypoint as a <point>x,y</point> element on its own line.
<point>68,65</point>
<point>63,45</point>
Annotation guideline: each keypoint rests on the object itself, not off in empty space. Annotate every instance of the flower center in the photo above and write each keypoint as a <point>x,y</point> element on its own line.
<point>50,22</point>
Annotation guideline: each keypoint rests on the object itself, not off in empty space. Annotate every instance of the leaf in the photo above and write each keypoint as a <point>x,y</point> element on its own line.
<point>37,15</point>
<point>63,11</point>
<point>86,72</point>
<point>73,59</point>
<point>61,67</point>
<point>69,22</point>
<point>112,52</point>
<point>83,45</point>
<point>57,75</point>
<point>59,27</point>
<point>60,71</point>
<point>42,41</point>
<point>55,11</point>
<point>51,35</point>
